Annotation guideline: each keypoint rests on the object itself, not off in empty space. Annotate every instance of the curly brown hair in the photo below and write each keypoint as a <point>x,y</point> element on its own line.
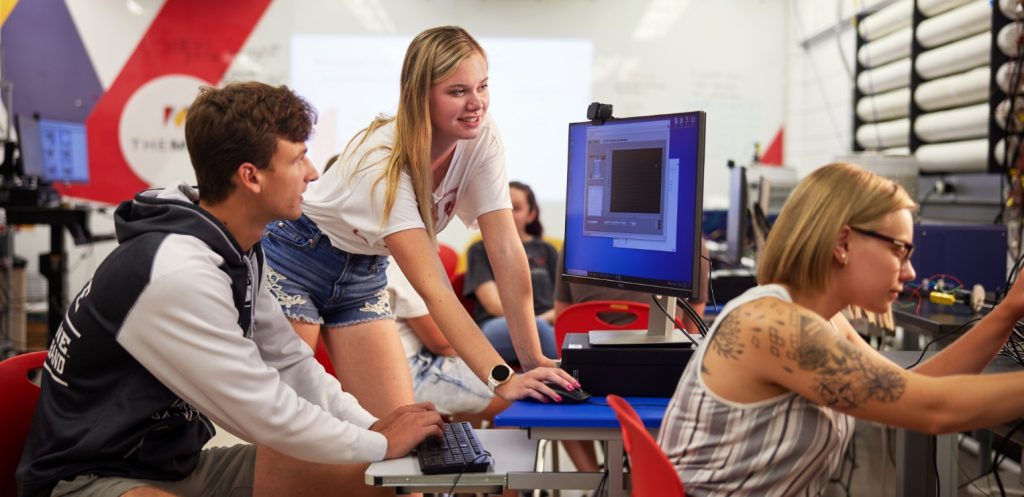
<point>240,123</point>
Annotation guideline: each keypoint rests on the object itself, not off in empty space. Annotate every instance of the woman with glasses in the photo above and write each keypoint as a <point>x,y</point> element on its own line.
<point>766,405</point>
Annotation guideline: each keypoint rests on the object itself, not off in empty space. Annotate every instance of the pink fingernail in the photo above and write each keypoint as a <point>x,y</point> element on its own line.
<point>558,398</point>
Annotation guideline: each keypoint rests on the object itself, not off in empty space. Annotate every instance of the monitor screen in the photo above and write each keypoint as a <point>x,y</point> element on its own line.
<point>634,203</point>
<point>738,222</point>
<point>54,151</point>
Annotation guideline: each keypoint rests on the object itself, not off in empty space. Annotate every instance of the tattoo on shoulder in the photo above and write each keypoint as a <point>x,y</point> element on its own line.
<point>726,340</point>
<point>845,380</point>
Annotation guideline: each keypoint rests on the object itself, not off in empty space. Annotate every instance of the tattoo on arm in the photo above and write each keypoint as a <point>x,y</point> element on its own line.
<point>845,380</point>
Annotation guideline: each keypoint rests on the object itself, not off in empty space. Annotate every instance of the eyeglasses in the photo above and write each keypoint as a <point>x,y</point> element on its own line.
<point>905,249</point>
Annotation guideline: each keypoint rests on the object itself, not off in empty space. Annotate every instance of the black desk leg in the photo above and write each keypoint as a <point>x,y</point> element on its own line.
<point>54,267</point>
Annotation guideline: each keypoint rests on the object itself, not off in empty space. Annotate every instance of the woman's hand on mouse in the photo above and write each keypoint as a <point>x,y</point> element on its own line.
<point>531,384</point>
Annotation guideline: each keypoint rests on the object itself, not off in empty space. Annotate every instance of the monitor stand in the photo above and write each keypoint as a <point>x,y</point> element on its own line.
<point>661,330</point>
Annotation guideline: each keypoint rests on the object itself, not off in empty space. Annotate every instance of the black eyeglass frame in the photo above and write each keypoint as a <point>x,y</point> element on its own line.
<point>902,245</point>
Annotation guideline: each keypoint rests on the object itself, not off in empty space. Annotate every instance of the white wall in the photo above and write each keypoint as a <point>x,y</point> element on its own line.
<point>820,92</point>
<point>728,58</point>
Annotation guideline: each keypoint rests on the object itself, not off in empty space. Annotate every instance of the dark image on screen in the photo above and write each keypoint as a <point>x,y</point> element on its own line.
<point>636,180</point>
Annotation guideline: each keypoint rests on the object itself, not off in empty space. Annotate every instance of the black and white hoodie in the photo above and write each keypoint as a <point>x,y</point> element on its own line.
<point>169,335</point>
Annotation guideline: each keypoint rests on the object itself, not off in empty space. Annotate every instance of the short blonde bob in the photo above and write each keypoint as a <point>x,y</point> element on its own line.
<point>798,252</point>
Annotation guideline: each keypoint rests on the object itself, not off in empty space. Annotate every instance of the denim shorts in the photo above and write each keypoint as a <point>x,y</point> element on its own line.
<point>448,382</point>
<point>319,284</point>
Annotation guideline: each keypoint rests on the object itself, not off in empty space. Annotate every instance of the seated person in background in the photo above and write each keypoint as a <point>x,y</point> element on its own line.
<point>482,290</point>
<point>785,365</point>
<point>439,376</point>
<point>567,294</point>
<point>177,330</point>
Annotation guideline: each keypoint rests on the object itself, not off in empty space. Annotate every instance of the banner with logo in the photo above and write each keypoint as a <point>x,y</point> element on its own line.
<point>136,125</point>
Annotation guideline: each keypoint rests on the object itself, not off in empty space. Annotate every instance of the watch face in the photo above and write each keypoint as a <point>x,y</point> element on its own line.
<point>500,372</point>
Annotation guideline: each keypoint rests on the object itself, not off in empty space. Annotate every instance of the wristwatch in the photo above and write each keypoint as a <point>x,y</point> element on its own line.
<point>500,374</point>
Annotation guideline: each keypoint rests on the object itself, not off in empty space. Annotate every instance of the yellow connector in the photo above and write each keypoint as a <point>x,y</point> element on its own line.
<point>942,298</point>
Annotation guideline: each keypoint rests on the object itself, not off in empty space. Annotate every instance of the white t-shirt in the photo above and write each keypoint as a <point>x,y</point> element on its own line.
<point>406,304</point>
<point>347,202</point>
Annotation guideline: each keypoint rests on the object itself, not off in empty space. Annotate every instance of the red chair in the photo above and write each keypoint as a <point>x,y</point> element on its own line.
<point>20,396</point>
<point>320,353</point>
<point>449,259</point>
<point>650,470</point>
<point>586,316</point>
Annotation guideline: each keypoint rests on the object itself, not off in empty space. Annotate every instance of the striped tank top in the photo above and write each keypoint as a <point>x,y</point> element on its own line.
<point>782,446</point>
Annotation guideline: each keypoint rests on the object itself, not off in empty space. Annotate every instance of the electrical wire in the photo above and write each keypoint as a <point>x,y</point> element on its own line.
<point>600,490</point>
<point>676,322</point>
<point>944,276</point>
<point>464,468</point>
<point>997,460</point>
<point>940,337</point>
<point>964,474</point>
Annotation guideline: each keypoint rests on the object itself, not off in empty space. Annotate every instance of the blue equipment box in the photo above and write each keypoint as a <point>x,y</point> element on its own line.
<point>972,253</point>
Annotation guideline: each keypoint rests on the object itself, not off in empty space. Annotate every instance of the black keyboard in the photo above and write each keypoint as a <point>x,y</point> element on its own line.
<point>458,451</point>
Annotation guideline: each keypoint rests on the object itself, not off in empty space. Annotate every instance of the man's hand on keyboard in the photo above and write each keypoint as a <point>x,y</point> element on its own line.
<point>407,426</point>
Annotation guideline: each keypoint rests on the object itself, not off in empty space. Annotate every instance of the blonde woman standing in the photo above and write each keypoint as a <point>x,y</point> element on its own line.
<point>399,182</point>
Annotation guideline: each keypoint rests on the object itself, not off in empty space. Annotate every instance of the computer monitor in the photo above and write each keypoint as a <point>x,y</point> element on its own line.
<point>633,210</point>
<point>53,151</point>
<point>738,220</point>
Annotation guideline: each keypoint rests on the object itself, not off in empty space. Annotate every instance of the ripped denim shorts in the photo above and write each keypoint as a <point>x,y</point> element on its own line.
<point>317,283</point>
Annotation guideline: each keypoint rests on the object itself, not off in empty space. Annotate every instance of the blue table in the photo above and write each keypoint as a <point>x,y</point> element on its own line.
<point>593,420</point>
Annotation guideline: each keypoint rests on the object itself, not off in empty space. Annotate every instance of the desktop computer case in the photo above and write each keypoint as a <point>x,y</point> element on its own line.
<point>638,371</point>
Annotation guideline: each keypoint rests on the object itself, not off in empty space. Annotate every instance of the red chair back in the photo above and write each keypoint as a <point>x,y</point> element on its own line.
<point>587,316</point>
<point>19,404</point>
<point>458,282</point>
<point>449,259</point>
<point>650,470</point>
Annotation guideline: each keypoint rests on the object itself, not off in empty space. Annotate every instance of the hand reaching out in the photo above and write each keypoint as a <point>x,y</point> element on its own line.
<point>531,384</point>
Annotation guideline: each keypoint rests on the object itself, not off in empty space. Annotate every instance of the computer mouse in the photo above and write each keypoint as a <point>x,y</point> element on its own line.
<point>575,396</point>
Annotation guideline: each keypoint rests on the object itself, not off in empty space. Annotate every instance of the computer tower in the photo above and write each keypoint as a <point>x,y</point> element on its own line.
<point>623,370</point>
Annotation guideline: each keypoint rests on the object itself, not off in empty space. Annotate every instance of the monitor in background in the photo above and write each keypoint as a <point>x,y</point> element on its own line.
<point>764,193</point>
<point>53,151</point>
<point>738,221</point>
<point>633,213</point>
<point>770,186</point>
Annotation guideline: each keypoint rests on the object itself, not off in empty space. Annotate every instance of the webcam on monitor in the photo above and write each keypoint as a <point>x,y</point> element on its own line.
<point>598,112</point>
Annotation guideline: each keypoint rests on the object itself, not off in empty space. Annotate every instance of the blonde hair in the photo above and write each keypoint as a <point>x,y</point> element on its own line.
<point>432,57</point>
<point>798,252</point>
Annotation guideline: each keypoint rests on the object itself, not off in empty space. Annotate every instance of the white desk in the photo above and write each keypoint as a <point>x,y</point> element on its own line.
<point>513,453</point>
